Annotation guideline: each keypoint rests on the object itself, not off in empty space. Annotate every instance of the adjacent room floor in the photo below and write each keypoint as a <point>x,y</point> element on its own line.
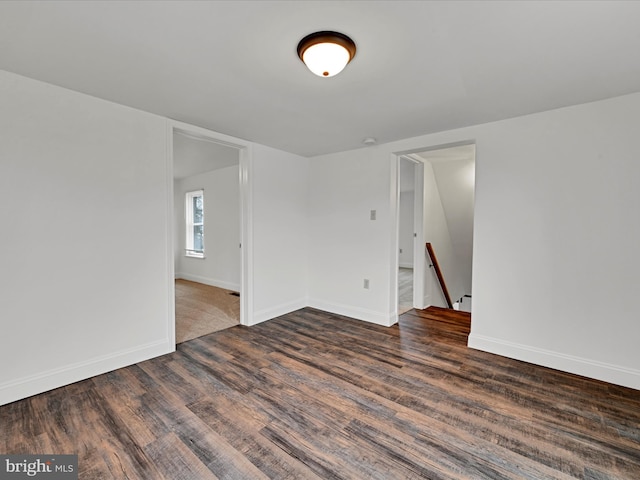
<point>405,289</point>
<point>203,309</point>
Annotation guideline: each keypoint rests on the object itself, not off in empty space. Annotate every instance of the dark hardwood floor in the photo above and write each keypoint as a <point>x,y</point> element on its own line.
<point>312,395</point>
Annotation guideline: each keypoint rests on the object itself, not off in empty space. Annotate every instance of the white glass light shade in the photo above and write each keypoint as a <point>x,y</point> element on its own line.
<point>326,59</point>
<point>326,53</point>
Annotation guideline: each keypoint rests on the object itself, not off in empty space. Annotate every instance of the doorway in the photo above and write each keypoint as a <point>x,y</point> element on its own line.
<point>443,200</point>
<point>407,227</point>
<point>209,271</point>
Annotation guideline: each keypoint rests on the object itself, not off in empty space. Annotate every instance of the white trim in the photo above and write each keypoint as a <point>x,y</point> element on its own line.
<point>189,224</point>
<point>204,134</point>
<point>619,375</point>
<point>394,199</point>
<point>214,282</point>
<point>200,256</point>
<point>246,235</point>
<point>386,320</point>
<point>246,211</point>
<point>48,380</point>
<point>421,295</point>
<point>279,310</point>
<point>171,293</point>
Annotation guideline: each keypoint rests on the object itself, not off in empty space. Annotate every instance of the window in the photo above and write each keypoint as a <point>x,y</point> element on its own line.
<point>194,216</point>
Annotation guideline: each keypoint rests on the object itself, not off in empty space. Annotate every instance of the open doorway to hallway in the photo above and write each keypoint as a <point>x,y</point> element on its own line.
<point>207,257</point>
<point>436,189</point>
<point>406,231</point>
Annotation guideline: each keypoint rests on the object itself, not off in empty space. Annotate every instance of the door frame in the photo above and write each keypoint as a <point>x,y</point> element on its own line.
<point>246,214</point>
<point>418,229</point>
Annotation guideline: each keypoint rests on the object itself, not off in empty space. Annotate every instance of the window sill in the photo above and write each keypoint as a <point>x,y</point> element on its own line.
<point>195,256</point>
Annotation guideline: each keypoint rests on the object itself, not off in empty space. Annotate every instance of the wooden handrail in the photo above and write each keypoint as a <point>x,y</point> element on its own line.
<point>436,266</point>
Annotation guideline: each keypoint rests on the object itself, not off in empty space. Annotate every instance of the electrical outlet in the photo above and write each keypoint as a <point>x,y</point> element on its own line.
<point>366,283</point>
<point>373,214</point>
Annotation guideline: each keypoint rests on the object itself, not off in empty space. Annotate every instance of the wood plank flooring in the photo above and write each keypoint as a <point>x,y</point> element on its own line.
<point>312,395</point>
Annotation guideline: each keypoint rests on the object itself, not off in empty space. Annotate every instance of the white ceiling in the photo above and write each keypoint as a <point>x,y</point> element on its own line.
<point>231,66</point>
<point>192,156</point>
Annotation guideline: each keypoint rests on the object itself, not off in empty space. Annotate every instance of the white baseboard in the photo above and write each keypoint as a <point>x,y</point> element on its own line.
<point>282,309</point>
<point>55,378</point>
<point>346,310</point>
<point>370,316</point>
<point>208,281</point>
<point>426,302</point>
<point>616,374</point>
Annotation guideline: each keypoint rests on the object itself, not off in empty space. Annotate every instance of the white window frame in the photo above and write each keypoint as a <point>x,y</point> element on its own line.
<point>190,224</point>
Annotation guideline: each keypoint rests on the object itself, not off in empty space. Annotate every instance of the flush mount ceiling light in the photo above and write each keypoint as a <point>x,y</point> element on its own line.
<point>326,53</point>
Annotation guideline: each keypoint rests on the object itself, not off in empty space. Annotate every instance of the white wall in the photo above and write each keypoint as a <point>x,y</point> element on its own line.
<point>85,259</point>
<point>456,180</point>
<point>556,237</point>
<point>345,245</point>
<point>555,248</point>
<point>83,218</point>
<point>279,204</point>
<point>436,232</point>
<point>221,265</point>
